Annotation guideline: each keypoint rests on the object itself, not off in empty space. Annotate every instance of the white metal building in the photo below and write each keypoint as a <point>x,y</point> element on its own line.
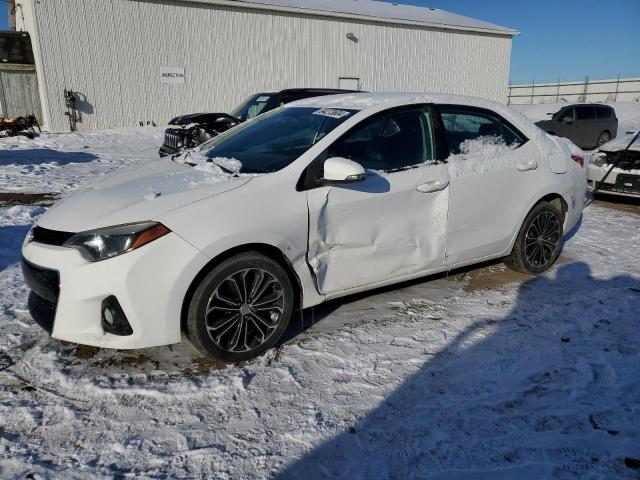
<point>150,60</point>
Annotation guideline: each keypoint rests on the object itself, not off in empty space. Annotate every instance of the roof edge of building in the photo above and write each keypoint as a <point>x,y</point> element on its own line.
<point>500,31</point>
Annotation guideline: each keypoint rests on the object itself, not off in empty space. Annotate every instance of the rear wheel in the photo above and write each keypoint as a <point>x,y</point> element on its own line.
<point>603,138</point>
<point>241,308</point>
<point>539,242</point>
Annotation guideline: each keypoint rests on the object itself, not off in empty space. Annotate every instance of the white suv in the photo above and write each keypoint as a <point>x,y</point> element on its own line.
<point>316,200</point>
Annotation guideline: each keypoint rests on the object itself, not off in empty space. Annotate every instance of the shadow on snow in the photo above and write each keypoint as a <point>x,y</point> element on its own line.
<point>550,390</point>
<point>39,156</point>
<point>11,238</point>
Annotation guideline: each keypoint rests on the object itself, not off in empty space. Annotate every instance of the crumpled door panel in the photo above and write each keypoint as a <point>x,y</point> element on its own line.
<point>380,229</point>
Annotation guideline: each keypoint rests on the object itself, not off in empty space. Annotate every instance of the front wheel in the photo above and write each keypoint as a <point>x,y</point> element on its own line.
<point>603,138</point>
<point>241,308</point>
<point>539,242</point>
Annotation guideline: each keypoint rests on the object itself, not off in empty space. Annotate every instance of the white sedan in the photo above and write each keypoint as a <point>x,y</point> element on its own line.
<point>316,200</point>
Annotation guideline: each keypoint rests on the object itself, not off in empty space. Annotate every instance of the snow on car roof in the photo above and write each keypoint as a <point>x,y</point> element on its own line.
<point>366,101</point>
<point>388,11</point>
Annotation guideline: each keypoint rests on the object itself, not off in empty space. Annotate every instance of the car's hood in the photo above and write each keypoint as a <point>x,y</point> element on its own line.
<point>206,118</point>
<point>620,143</point>
<point>544,124</point>
<point>136,194</point>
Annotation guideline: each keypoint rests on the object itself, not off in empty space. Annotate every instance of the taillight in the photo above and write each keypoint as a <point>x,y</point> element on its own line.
<point>578,159</point>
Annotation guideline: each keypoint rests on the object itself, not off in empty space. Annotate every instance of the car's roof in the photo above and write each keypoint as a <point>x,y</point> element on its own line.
<point>310,91</point>
<point>374,101</point>
<point>364,101</point>
<point>587,105</point>
<point>316,90</point>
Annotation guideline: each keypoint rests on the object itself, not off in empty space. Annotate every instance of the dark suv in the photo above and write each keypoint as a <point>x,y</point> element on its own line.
<point>586,125</point>
<point>189,131</point>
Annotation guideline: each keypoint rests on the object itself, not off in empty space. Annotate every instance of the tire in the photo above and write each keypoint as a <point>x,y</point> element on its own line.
<point>535,252</point>
<point>241,308</point>
<point>603,138</point>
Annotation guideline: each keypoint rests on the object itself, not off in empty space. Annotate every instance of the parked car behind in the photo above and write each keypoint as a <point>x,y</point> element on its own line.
<point>189,131</point>
<point>322,198</point>
<point>586,125</point>
<point>624,179</point>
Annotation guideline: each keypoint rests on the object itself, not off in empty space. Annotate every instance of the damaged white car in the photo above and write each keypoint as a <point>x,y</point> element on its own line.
<point>615,167</point>
<point>316,200</point>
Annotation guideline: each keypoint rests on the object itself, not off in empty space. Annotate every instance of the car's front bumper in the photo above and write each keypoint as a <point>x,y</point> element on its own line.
<point>149,283</point>
<point>166,150</point>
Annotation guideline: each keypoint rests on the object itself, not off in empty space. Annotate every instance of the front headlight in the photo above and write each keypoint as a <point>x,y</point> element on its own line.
<point>598,160</point>
<point>109,242</point>
<point>29,236</point>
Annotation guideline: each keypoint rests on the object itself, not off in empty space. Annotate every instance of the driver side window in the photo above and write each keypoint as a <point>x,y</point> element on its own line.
<point>389,142</point>
<point>567,113</point>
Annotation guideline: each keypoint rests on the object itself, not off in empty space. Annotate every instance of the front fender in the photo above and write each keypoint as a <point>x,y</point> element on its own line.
<point>268,210</point>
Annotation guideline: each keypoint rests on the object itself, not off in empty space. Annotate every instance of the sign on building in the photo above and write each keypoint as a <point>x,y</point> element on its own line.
<point>172,75</point>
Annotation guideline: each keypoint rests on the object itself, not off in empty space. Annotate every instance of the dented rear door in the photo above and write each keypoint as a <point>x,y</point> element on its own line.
<point>391,225</point>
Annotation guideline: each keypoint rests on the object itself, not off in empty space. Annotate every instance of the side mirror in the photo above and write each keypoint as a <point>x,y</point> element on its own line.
<point>567,120</point>
<point>342,170</point>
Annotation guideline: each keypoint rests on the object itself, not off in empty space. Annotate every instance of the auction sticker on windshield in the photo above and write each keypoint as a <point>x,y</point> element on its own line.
<point>331,112</point>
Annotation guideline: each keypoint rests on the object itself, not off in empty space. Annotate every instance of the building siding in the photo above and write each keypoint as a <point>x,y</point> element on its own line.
<point>111,51</point>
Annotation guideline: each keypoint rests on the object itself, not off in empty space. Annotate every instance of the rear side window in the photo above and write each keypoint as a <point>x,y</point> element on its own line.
<point>461,125</point>
<point>585,113</point>
<point>603,112</point>
<point>511,136</point>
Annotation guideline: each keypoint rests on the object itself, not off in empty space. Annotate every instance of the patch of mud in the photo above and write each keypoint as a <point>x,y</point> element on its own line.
<point>181,359</point>
<point>8,199</point>
<point>493,277</point>
<point>206,364</point>
<point>123,361</point>
<point>85,351</point>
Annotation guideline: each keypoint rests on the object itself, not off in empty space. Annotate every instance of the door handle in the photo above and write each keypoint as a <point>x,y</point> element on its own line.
<point>528,165</point>
<point>433,186</point>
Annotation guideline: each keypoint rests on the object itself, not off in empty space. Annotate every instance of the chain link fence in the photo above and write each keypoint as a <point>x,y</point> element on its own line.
<point>615,90</point>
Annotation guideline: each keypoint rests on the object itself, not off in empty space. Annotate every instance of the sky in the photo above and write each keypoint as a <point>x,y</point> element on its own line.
<point>560,39</point>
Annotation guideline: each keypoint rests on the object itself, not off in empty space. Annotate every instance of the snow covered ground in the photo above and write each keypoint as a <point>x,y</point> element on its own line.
<point>60,162</point>
<point>484,374</point>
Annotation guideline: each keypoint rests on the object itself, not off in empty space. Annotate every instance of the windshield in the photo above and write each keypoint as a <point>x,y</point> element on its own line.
<point>275,139</point>
<point>252,106</point>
